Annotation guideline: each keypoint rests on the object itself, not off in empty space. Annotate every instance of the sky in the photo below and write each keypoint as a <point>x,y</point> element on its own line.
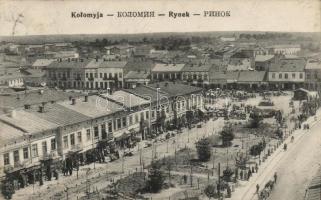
<point>54,17</point>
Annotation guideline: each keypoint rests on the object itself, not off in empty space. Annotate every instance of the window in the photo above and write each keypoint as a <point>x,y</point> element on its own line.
<point>72,139</point>
<point>6,159</point>
<point>88,134</point>
<point>34,150</point>
<point>110,75</point>
<point>44,147</point>
<point>124,121</point>
<point>103,131</point>
<point>293,75</point>
<point>136,118</point>
<point>101,75</point>
<point>53,144</point>
<point>96,75</point>
<point>86,75</point>
<point>120,75</point>
<point>315,75</point>
<point>25,153</point>
<point>286,76</point>
<point>118,123</point>
<point>301,76</point>
<point>16,156</point>
<point>130,119</point>
<point>142,116</point>
<point>147,114</point>
<point>79,137</point>
<point>153,114</point>
<point>280,76</point>
<point>65,141</point>
<point>110,127</point>
<point>96,132</point>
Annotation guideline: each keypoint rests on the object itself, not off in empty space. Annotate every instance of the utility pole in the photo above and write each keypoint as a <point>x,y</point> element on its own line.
<point>219,180</point>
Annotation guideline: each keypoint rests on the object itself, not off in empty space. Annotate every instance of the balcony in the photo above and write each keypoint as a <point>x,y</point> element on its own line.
<point>90,78</point>
<point>76,147</point>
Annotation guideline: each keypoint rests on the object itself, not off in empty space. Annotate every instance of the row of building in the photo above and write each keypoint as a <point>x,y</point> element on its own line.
<point>40,129</point>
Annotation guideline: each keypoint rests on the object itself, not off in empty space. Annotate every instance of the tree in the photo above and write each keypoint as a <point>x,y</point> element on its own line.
<point>203,149</point>
<point>156,177</point>
<point>227,135</point>
<point>227,174</point>
<point>256,119</point>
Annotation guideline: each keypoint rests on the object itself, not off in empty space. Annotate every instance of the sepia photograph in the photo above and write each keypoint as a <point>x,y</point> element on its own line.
<point>160,100</point>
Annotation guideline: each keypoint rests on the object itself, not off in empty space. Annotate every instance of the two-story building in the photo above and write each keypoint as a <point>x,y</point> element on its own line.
<point>163,72</point>
<point>313,75</point>
<point>287,74</point>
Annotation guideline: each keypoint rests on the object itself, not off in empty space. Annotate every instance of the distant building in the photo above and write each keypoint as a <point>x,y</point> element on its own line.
<point>285,49</point>
<point>41,63</point>
<point>196,74</point>
<point>121,51</point>
<point>313,75</point>
<point>228,39</point>
<point>163,72</point>
<point>263,62</point>
<point>287,74</point>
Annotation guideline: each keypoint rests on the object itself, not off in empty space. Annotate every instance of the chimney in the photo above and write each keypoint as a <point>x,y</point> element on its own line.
<point>27,106</point>
<point>86,98</point>
<point>73,101</point>
<point>41,109</point>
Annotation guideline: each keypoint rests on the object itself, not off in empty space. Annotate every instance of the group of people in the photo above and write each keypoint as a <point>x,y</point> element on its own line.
<point>265,192</point>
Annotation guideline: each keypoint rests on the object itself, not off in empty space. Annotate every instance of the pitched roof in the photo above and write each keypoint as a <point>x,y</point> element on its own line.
<point>313,64</point>
<point>9,133</point>
<point>42,62</point>
<point>82,63</point>
<point>126,99</point>
<point>95,106</point>
<point>251,76</point>
<point>136,65</point>
<point>34,97</point>
<point>168,67</point>
<point>288,65</point>
<point>137,75</point>
<point>148,93</point>
<point>263,58</point>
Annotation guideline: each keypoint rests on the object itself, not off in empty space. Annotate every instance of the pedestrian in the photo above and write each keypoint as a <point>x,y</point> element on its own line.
<point>275,177</point>
<point>253,171</point>
<point>257,188</point>
<point>256,167</point>
<point>241,174</point>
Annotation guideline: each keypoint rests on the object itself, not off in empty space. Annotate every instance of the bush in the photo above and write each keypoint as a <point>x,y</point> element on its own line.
<point>203,149</point>
<point>210,191</point>
<point>227,135</point>
<point>155,177</point>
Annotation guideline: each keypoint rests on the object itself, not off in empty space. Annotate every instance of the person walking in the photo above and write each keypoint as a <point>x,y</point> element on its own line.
<point>275,177</point>
<point>257,188</point>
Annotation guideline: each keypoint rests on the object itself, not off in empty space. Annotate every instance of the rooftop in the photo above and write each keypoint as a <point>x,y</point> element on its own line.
<point>251,76</point>
<point>168,67</point>
<point>288,65</point>
<point>9,133</point>
<point>263,58</point>
<point>95,106</point>
<point>82,63</point>
<point>175,89</point>
<point>137,75</point>
<point>126,99</point>
<point>42,62</point>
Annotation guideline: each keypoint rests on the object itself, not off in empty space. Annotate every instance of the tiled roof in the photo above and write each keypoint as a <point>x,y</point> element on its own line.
<point>137,75</point>
<point>251,76</point>
<point>288,65</point>
<point>168,67</point>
